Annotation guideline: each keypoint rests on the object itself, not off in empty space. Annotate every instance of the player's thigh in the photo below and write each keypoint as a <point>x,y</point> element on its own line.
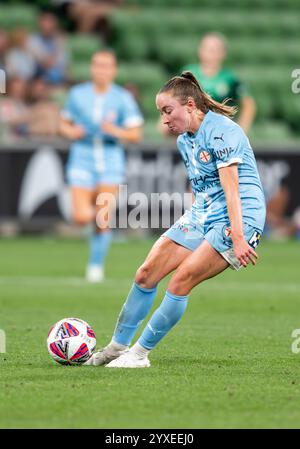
<point>204,263</point>
<point>82,199</point>
<point>164,257</point>
<point>106,200</point>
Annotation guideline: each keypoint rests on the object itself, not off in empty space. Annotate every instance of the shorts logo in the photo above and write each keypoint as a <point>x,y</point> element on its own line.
<point>204,156</point>
<point>254,240</point>
<point>227,233</point>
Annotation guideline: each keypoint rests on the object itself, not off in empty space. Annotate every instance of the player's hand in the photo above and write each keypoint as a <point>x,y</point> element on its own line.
<point>76,132</point>
<point>109,128</point>
<point>244,252</point>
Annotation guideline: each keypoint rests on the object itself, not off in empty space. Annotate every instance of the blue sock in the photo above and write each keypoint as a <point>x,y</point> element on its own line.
<point>99,245</point>
<point>135,309</point>
<point>164,318</point>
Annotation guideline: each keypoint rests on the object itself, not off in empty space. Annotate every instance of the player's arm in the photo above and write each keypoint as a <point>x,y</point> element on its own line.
<point>230,183</point>
<point>70,130</point>
<point>247,112</point>
<point>130,135</point>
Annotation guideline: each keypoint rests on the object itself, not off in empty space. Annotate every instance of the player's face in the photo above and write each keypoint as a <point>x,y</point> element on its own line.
<point>211,50</point>
<point>103,68</point>
<point>173,114</point>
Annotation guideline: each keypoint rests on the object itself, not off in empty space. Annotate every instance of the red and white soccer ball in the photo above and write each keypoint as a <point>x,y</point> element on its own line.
<point>71,341</point>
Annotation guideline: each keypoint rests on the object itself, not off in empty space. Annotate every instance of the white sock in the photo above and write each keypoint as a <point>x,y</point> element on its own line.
<point>139,350</point>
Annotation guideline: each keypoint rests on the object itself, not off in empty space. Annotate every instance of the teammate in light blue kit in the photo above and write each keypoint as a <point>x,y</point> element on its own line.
<point>222,228</point>
<point>98,117</point>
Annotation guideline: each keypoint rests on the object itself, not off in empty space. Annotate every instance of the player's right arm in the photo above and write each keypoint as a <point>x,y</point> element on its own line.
<point>69,115</point>
<point>70,130</point>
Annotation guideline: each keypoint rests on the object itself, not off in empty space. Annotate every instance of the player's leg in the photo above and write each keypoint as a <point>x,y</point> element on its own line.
<point>164,257</point>
<point>83,211</point>
<point>100,240</point>
<point>204,263</point>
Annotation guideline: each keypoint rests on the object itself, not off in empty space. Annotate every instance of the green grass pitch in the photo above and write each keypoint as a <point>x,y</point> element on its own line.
<point>227,364</point>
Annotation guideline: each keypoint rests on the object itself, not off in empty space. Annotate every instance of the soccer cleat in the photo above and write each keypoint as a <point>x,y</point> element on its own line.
<point>105,356</point>
<point>94,273</point>
<point>129,360</point>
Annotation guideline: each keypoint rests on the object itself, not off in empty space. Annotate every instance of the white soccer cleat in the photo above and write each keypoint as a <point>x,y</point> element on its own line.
<point>94,274</point>
<point>105,356</point>
<point>130,360</point>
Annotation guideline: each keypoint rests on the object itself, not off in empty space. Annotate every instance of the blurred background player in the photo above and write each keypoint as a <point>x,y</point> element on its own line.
<point>98,117</point>
<point>220,82</point>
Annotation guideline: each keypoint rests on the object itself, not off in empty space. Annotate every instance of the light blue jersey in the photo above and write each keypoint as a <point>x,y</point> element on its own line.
<point>97,157</point>
<point>219,142</point>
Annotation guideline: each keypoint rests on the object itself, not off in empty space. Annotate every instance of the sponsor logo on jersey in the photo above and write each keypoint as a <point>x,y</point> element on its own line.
<point>219,138</point>
<point>225,152</point>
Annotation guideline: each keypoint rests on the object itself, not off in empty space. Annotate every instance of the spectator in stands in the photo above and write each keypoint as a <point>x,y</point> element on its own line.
<point>219,82</point>
<point>90,16</point>
<point>13,109</point>
<point>99,117</point>
<point>48,47</point>
<point>43,114</point>
<point>3,48</point>
<point>19,60</point>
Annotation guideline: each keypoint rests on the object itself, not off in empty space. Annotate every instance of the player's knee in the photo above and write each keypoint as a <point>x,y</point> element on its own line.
<point>181,282</point>
<point>82,217</point>
<point>143,276</point>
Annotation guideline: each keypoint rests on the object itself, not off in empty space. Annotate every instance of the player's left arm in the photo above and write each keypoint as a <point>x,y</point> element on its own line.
<point>230,183</point>
<point>247,112</point>
<point>130,135</point>
<point>130,127</point>
<point>247,104</point>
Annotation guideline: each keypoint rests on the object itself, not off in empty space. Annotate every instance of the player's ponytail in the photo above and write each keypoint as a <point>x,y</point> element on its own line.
<point>186,85</point>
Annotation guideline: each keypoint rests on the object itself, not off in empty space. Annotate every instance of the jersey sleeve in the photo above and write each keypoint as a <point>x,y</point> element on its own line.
<point>228,144</point>
<point>131,115</point>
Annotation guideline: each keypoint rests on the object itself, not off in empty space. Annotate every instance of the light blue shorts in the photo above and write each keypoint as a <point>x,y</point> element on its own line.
<point>89,179</point>
<point>87,167</point>
<point>186,233</point>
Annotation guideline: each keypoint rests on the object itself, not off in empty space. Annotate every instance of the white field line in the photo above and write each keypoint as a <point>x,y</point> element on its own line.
<point>118,282</point>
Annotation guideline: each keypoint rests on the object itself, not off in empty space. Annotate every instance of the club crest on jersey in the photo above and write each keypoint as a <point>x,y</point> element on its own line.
<point>254,240</point>
<point>204,156</point>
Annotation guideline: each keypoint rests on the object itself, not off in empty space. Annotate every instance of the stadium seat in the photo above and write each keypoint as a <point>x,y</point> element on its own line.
<point>79,71</point>
<point>82,47</point>
<point>269,131</point>
<point>262,44</point>
<point>176,52</point>
<point>13,16</point>
<point>144,74</point>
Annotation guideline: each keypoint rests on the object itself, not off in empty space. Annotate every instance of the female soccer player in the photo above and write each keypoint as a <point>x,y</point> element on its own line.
<point>98,117</point>
<point>222,228</point>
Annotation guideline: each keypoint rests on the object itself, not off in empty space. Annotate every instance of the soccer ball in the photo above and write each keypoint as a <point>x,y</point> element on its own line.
<point>71,341</point>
